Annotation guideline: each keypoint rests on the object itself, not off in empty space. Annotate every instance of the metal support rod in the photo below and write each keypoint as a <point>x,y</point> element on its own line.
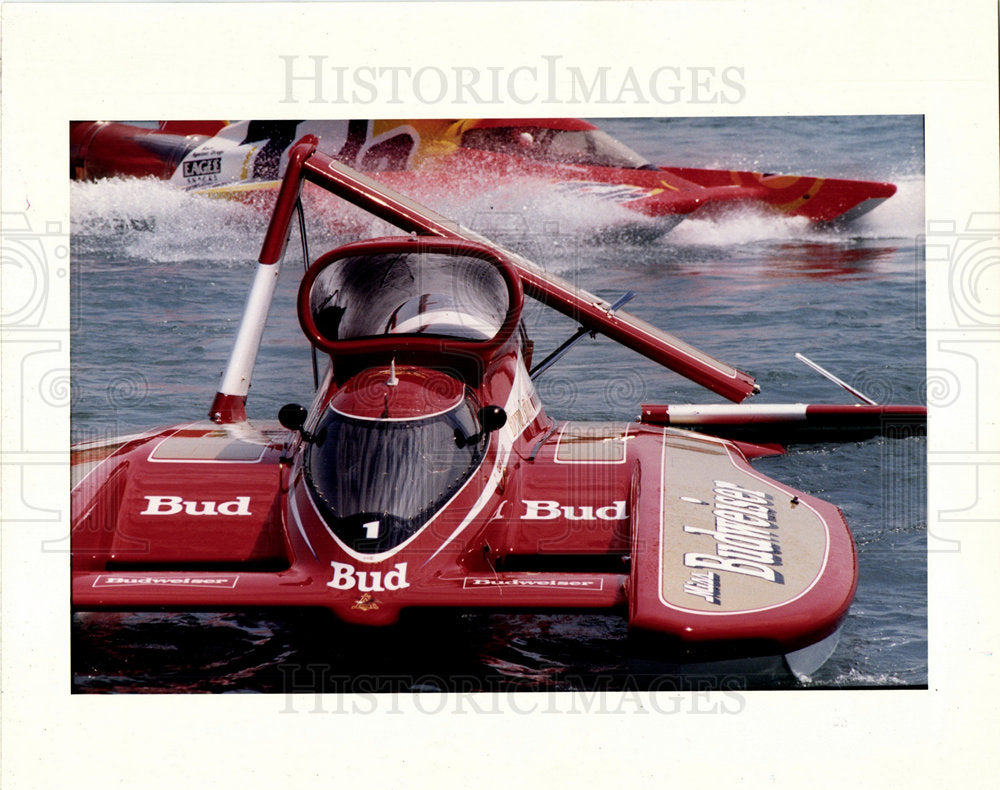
<point>828,375</point>
<point>305,265</point>
<point>556,355</point>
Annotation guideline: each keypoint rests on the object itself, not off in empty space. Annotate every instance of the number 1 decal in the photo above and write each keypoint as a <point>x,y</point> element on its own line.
<point>371,530</point>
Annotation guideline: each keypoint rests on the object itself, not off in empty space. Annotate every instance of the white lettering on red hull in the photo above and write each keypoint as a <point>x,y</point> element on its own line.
<point>347,577</point>
<point>547,509</point>
<point>172,505</point>
<point>172,581</point>
<point>471,582</point>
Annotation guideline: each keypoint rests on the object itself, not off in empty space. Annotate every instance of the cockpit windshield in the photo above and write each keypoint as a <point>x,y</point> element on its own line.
<point>562,146</point>
<point>378,481</point>
<point>419,293</point>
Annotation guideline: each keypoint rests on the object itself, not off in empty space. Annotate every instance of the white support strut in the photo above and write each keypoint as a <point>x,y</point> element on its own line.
<point>239,369</point>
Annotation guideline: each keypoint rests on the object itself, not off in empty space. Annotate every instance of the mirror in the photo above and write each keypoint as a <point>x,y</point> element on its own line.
<point>492,418</point>
<point>293,416</point>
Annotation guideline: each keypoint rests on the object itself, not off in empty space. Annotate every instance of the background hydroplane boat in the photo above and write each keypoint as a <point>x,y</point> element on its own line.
<point>439,159</point>
<point>425,473</point>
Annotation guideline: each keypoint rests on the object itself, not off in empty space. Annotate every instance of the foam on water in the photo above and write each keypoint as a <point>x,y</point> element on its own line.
<point>154,220</point>
<point>740,226</point>
<point>899,217</point>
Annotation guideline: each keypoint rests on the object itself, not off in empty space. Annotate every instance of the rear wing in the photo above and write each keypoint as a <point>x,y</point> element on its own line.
<point>791,423</point>
<point>306,163</point>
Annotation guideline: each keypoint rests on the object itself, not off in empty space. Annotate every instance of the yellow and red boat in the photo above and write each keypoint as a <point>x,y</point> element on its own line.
<point>445,158</point>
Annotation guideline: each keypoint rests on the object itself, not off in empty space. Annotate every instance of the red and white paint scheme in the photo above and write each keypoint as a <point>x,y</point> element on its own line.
<point>245,160</point>
<point>425,472</point>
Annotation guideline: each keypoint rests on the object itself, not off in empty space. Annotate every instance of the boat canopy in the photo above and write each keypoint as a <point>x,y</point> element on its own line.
<point>410,294</point>
<point>378,479</point>
<point>580,144</point>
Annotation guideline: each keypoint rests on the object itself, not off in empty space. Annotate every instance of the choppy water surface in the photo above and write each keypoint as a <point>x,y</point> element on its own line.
<point>159,282</point>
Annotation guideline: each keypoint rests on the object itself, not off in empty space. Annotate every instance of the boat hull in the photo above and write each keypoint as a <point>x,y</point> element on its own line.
<point>708,559</point>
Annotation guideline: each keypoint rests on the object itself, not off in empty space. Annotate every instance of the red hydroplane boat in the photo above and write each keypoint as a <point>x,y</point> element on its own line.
<point>438,159</point>
<point>425,473</point>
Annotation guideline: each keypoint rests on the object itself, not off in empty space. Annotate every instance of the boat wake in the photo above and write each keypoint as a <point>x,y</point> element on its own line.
<point>900,217</point>
<point>153,220</point>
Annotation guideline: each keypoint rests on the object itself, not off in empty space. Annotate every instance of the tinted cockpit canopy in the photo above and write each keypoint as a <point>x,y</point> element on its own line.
<point>390,451</point>
<point>562,141</point>
<point>415,294</point>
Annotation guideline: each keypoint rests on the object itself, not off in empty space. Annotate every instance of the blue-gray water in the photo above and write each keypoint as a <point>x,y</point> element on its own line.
<point>159,282</point>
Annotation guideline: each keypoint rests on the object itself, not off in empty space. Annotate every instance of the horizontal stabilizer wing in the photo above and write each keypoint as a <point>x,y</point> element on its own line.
<point>788,423</point>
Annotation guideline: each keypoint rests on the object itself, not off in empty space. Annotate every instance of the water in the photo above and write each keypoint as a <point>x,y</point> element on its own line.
<point>159,282</point>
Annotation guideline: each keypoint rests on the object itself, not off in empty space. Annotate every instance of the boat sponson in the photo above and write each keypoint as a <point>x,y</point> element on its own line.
<point>722,553</point>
